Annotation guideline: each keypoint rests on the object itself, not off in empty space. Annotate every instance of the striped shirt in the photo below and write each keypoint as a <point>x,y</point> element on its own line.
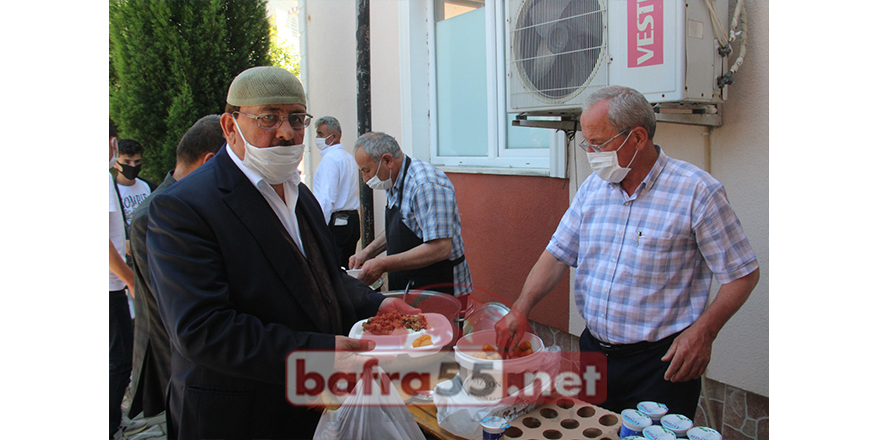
<point>428,208</point>
<point>644,263</point>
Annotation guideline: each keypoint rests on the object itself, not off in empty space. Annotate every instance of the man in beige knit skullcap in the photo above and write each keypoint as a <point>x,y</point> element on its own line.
<point>244,269</point>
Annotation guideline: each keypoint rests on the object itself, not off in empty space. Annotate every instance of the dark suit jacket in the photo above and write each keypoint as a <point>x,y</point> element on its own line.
<point>151,363</point>
<point>235,305</point>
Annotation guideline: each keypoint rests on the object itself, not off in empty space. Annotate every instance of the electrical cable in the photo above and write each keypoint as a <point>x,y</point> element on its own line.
<point>744,32</point>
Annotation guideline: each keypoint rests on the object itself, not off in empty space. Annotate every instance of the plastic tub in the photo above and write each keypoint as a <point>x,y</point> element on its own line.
<point>654,410</point>
<point>657,432</point>
<point>493,427</point>
<point>703,433</point>
<point>494,371</point>
<point>634,422</point>
<point>677,423</point>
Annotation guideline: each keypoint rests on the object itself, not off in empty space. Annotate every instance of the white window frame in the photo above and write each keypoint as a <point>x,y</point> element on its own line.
<point>419,99</point>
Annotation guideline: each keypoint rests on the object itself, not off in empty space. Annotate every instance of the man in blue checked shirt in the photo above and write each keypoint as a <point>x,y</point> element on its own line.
<point>645,240</point>
<point>422,234</point>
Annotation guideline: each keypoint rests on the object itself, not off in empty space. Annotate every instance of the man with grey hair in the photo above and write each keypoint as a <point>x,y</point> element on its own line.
<point>422,234</point>
<point>645,241</point>
<point>245,272</point>
<point>335,187</point>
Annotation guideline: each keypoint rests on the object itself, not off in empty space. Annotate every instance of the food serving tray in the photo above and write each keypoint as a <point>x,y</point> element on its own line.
<point>439,329</point>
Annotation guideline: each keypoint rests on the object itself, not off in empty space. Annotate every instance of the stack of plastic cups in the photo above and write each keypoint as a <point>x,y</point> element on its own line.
<point>678,424</point>
<point>657,432</point>
<point>703,433</point>
<point>633,422</point>
<point>654,410</point>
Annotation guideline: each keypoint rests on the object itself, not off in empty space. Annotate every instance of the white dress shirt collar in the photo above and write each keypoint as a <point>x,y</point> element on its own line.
<point>330,148</point>
<point>284,209</point>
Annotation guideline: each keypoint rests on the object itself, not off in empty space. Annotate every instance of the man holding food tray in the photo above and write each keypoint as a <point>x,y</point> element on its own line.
<point>645,240</point>
<point>245,272</point>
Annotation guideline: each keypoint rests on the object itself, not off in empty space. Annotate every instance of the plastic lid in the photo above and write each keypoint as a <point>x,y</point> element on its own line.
<point>494,424</point>
<point>677,423</point>
<point>484,317</point>
<point>635,419</point>
<point>657,432</point>
<point>633,437</point>
<point>703,433</point>
<point>654,410</point>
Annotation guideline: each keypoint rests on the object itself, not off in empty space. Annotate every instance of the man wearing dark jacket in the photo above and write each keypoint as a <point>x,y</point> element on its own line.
<point>244,269</point>
<point>151,366</point>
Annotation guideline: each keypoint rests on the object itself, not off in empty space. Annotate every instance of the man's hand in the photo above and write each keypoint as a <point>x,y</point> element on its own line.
<point>690,354</point>
<point>371,270</point>
<point>397,305</point>
<point>692,349</point>
<point>509,331</point>
<point>347,344</point>
<point>357,260</point>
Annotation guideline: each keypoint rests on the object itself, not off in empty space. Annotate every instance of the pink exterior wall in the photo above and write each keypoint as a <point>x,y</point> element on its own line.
<point>507,222</point>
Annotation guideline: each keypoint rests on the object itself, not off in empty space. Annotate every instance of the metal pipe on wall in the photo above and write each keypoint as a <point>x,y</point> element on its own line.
<point>364,116</point>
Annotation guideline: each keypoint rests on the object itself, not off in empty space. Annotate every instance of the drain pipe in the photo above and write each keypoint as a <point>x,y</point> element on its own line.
<point>364,121</point>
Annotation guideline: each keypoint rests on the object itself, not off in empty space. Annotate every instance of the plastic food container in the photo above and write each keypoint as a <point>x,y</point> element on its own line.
<point>493,427</point>
<point>633,422</point>
<point>494,371</point>
<point>654,410</point>
<point>657,432</point>
<point>677,423</point>
<point>703,433</point>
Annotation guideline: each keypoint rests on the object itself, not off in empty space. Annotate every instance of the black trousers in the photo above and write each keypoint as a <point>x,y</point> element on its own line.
<point>347,236</point>
<point>638,376</point>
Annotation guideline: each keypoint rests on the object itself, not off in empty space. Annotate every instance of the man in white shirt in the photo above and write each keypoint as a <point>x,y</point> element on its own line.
<point>130,190</point>
<point>335,187</point>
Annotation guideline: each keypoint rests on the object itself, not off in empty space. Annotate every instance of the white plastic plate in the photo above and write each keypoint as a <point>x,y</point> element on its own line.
<point>439,329</point>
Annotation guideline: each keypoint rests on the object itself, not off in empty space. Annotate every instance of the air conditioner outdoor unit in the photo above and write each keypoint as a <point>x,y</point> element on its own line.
<point>560,51</point>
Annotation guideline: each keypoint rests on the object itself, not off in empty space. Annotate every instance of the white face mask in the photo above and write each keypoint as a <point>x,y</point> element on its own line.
<point>321,143</point>
<point>605,165</point>
<point>274,164</point>
<point>115,156</point>
<point>377,184</point>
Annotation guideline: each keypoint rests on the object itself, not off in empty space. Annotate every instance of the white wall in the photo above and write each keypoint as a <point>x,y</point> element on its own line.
<point>331,61</point>
<point>330,71</point>
<point>737,153</point>
<point>741,160</point>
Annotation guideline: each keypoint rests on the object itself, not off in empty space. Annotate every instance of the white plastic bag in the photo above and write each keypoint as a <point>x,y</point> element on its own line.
<point>460,413</point>
<point>369,416</point>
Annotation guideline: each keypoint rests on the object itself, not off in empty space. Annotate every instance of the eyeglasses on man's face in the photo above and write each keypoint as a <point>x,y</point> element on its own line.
<point>271,121</point>
<point>593,148</point>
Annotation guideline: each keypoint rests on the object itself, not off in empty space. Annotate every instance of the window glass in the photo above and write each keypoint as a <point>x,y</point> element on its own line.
<point>528,137</point>
<point>452,8</point>
<point>462,96</point>
<point>471,130</point>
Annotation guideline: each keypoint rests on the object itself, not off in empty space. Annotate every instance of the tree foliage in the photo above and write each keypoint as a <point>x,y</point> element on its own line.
<point>171,63</point>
